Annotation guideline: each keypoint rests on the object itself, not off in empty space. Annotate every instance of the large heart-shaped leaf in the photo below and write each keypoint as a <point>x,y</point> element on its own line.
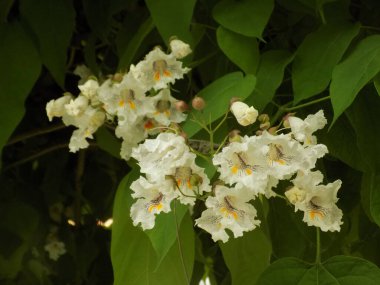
<point>338,270</point>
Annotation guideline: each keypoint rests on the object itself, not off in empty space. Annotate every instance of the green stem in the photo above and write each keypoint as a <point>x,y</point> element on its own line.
<point>222,144</point>
<point>307,104</point>
<point>318,247</point>
<point>180,246</point>
<point>221,122</point>
<point>202,60</point>
<point>370,28</point>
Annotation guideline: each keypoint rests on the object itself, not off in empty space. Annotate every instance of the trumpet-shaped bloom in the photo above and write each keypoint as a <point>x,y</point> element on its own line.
<point>164,110</point>
<point>229,209</point>
<point>153,198</point>
<point>158,156</point>
<point>89,89</point>
<point>317,201</point>
<point>158,69</point>
<point>56,108</point>
<point>242,162</point>
<point>303,129</point>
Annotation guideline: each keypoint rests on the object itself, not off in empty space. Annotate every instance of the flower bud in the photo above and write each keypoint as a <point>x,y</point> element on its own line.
<point>285,120</point>
<point>179,48</point>
<point>244,114</point>
<point>295,195</point>
<point>181,106</point>
<point>273,130</point>
<point>234,136</point>
<point>117,77</point>
<point>263,118</point>
<point>198,103</point>
<point>265,126</point>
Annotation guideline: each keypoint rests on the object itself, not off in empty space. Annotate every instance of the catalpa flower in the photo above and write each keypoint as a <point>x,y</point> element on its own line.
<point>153,198</point>
<point>244,114</point>
<point>55,249</point>
<point>179,48</point>
<point>158,156</point>
<point>158,69</point>
<point>164,110</point>
<point>229,209</point>
<point>56,108</point>
<point>285,156</point>
<point>242,162</point>
<point>303,129</point>
<point>189,180</point>
<point>89,89</point>
<point>317,201</point>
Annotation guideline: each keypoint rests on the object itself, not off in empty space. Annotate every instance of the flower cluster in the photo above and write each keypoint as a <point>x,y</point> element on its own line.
<point>171,173</point>
<point>249,166</point>
<point>141,104</point>
<point>139,101</point>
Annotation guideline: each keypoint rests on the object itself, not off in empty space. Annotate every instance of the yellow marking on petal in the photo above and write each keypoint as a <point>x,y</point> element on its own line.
<point>234,169</point>
<point>121,103</point>
<point>281,161</point>
<point>248,171</point>
<point>189,184</point>
<point>314,213</point>
<point>157,76</point>
<point>226,212</point>
<point>132,104</point>
<point>167,113</point>
<point>155,206</point>
<point>167,73</point>
<point>179,182</point>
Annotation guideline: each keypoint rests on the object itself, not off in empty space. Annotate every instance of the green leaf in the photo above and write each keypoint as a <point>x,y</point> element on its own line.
<point>348,152</point>
<point>269,77</point>
<point>21,220</point>
<point>364,117</point>
<point>5,6</point>
<point>53,22</point>
<point>317,56</point>
<point>172,18</point>
<point>133,257</point>
<point>350,76</point>
<point>164,233</point>
<point>371,181</point>
<point>15,81</point>
<point>247,257</point>
<point>218,95</point>
<point>241,50</point>
<point>338,270</point>
<point>376,82</point>
<point>245,17</point>
<point>128,54</point>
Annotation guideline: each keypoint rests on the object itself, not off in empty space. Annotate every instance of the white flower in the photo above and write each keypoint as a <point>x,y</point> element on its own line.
<point>179,48</point>
<point>317,201</point>
<point>56,108</point>
<point>229,209</point>
<point>285,156</point>
<point>77,106</point>
<point>125,99</point>
<point>190,180</point>
<point>89,89</point>
<point>153,198</point>
<point>158,69</point>
<point>164,108</point>
<point>242,162</point>
<point>244,114</point>
<point>303,129</point>
<point>79,141</point>
<point>158,156</point>
<point>55,249</point>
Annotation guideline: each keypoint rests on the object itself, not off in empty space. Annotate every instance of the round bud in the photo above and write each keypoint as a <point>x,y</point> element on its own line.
<point>272,130</point>
<point>234,136</point>
<point>198,103</point>
<point>181,106</point>
<point>117,77</point>
<point>263,118</point>
<point>265,126</point>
